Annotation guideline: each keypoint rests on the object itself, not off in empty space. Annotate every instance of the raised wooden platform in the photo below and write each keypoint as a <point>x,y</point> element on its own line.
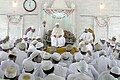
<point>61,50</point>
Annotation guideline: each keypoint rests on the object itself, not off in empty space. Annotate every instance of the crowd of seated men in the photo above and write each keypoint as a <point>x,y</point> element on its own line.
<point>25,59</point>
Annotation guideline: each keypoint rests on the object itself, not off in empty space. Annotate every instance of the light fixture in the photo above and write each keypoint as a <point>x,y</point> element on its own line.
<point>59,11</point>
<point>102,6</point>
<point>14,3</point>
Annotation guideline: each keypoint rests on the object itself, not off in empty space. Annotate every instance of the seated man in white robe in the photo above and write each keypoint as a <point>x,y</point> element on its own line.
<point>30,33</point>
<point>57,36</point>
<point>87,38</point>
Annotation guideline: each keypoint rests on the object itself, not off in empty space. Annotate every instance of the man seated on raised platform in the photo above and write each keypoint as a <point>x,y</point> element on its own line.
<point>57,36</point>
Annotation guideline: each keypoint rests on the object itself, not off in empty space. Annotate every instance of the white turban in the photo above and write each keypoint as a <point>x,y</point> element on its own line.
<point>115,70</point>
<point>26,76</point>
<point>56,56</point>
<point>28,65</point>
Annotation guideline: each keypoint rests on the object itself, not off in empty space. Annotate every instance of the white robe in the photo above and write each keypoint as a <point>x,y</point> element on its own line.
<point>100,64</point>
<point>87,37</point>
<point>21,55</point>
<point>79,76</point>
<point>91,70</point>
<point>1,74</point>
<point>30,35</point>
<point>106,76</point>
<point>62,71</point>
<point>57,32</point>
<point>3,56</point>
<point>56,41</point>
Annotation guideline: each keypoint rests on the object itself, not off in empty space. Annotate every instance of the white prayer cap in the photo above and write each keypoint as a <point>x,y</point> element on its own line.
<point>22,46</point>
<point>112,63</point>
<point>39,45</point>
<point>5,46</point>
<point>56,56</point>
<point>34,54</point>
<point>26,76</point>
<point>65,55</point>
<point>10,71</point>
<point>56,23</point>
<point>84,49</point>
<point>31,48</point>
<point>24,36</point>
<point>46,55</point>
<point>46,65</point>
<point>97,47</point>
<point>69,47</point>
<point>115,70</point>
<point>34,42</point>
<point>83,66</point>
<point>28,65</point>
<point>78,56</point>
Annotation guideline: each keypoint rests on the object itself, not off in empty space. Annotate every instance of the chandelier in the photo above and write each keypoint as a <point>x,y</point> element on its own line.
<point>59,13</point>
